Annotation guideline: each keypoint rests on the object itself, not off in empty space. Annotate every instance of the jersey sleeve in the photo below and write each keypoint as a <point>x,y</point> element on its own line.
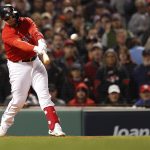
<point>13,40</point>
<point>33,30</point>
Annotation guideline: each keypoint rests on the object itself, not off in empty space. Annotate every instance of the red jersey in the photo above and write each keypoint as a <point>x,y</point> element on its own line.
<point>19,41</point>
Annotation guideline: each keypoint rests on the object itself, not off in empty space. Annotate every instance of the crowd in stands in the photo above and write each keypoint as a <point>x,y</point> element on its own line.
<point>99,50</point>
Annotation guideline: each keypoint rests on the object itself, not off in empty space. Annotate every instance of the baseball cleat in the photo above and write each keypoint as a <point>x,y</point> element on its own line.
<point>2,131</point>
<point>57,131</point>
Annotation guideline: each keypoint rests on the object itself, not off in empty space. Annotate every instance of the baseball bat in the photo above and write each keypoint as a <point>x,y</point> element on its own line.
<point>46,59</point>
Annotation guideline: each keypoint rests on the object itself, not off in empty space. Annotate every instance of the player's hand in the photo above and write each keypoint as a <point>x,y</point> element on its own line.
<point>42,44</point>
<point>38,50</point>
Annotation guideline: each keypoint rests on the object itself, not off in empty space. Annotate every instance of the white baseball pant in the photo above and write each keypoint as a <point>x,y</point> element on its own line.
<point>22,76</point>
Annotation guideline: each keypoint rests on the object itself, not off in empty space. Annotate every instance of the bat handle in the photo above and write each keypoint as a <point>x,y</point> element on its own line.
<point>46,59</point>
<point>44,52</point>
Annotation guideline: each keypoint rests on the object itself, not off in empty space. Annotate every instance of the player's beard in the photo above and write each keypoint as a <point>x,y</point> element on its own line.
<point>12,22</point>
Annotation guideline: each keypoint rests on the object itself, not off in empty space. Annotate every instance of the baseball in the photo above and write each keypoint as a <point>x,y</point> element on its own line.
<point>74,37</point>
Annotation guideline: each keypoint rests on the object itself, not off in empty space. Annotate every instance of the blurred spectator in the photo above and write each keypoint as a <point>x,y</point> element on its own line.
<point>103,20</point>
<point>109,36</point>
<point>121,38</point>
<point>30,101</point>
<point>144,96</point>
<point>142,72</point>
<point>81,97</point>
<point>73,28</point>
<point>54,95</point>
<point>80,9</point>
<point>58,25</point>
<point>55,74</point>
<point>117,21</point>
<point>125,61</point>
<point>4,83</point>
<point>92,33</point>
<point>129,9</point>
<point>23,7</point>
<point>46,19</point>
<point>139,22</point>
<point>4,2</point>
<point>68,13</point>
<point>3,59</point>
<point>70,56</point>
<point>74,77</point>
<point>57,46</point>
<point>146,35</point>
<point>111,72</point>
<point>50,8</point>
<point>37,6</point>
<point>63,33</point>
<point>67,3</point>
<point>88,46</point>
<point>98,7</point>
<point>91,67</point>
<point>80,43</point>
<point>48,32</point>
<point>114,95</point>
<point>78,25</point>
<point>136,50</point>
<point>119,6</point>
<point>36,17</point>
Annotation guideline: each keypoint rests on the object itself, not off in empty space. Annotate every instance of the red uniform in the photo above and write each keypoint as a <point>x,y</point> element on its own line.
<point>20,41</point>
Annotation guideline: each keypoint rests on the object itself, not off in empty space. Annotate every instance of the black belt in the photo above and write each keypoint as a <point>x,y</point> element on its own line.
<point>30,59</point>
<point>26,60</point>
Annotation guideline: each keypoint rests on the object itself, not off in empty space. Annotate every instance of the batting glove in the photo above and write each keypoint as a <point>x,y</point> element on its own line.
<point>42,44</point>
<point>38,50</point>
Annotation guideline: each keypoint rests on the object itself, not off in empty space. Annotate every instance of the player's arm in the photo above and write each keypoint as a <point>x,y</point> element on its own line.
<point>36,34</point>
<point>24,46</point>
<point>33,30</point>
<point>14,41</point>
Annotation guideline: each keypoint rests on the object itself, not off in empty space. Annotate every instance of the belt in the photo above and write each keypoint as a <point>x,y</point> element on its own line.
<point>29,60</point>
<point>26,60</point>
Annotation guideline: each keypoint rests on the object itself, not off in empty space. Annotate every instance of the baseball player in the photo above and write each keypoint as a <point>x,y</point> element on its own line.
<point>23,42</point>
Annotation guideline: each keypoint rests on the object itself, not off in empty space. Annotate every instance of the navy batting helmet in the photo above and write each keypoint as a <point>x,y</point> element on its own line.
<point>8,10</point>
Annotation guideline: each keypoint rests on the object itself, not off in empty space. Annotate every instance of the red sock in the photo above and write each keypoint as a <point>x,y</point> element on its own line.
<point>51,116</point>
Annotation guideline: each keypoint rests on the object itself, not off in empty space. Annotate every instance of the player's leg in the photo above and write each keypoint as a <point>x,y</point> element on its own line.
<point>40,85</point>
<point>20,79</point>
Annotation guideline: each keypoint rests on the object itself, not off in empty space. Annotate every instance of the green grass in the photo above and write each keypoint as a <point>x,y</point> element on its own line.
<point>74,143</point>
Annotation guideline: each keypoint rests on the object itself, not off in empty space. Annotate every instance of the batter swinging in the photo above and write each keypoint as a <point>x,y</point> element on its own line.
<point>23,42</point>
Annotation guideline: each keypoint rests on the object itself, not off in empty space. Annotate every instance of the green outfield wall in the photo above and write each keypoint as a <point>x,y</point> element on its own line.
<point>32,122</point>
<point>89,121</point>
